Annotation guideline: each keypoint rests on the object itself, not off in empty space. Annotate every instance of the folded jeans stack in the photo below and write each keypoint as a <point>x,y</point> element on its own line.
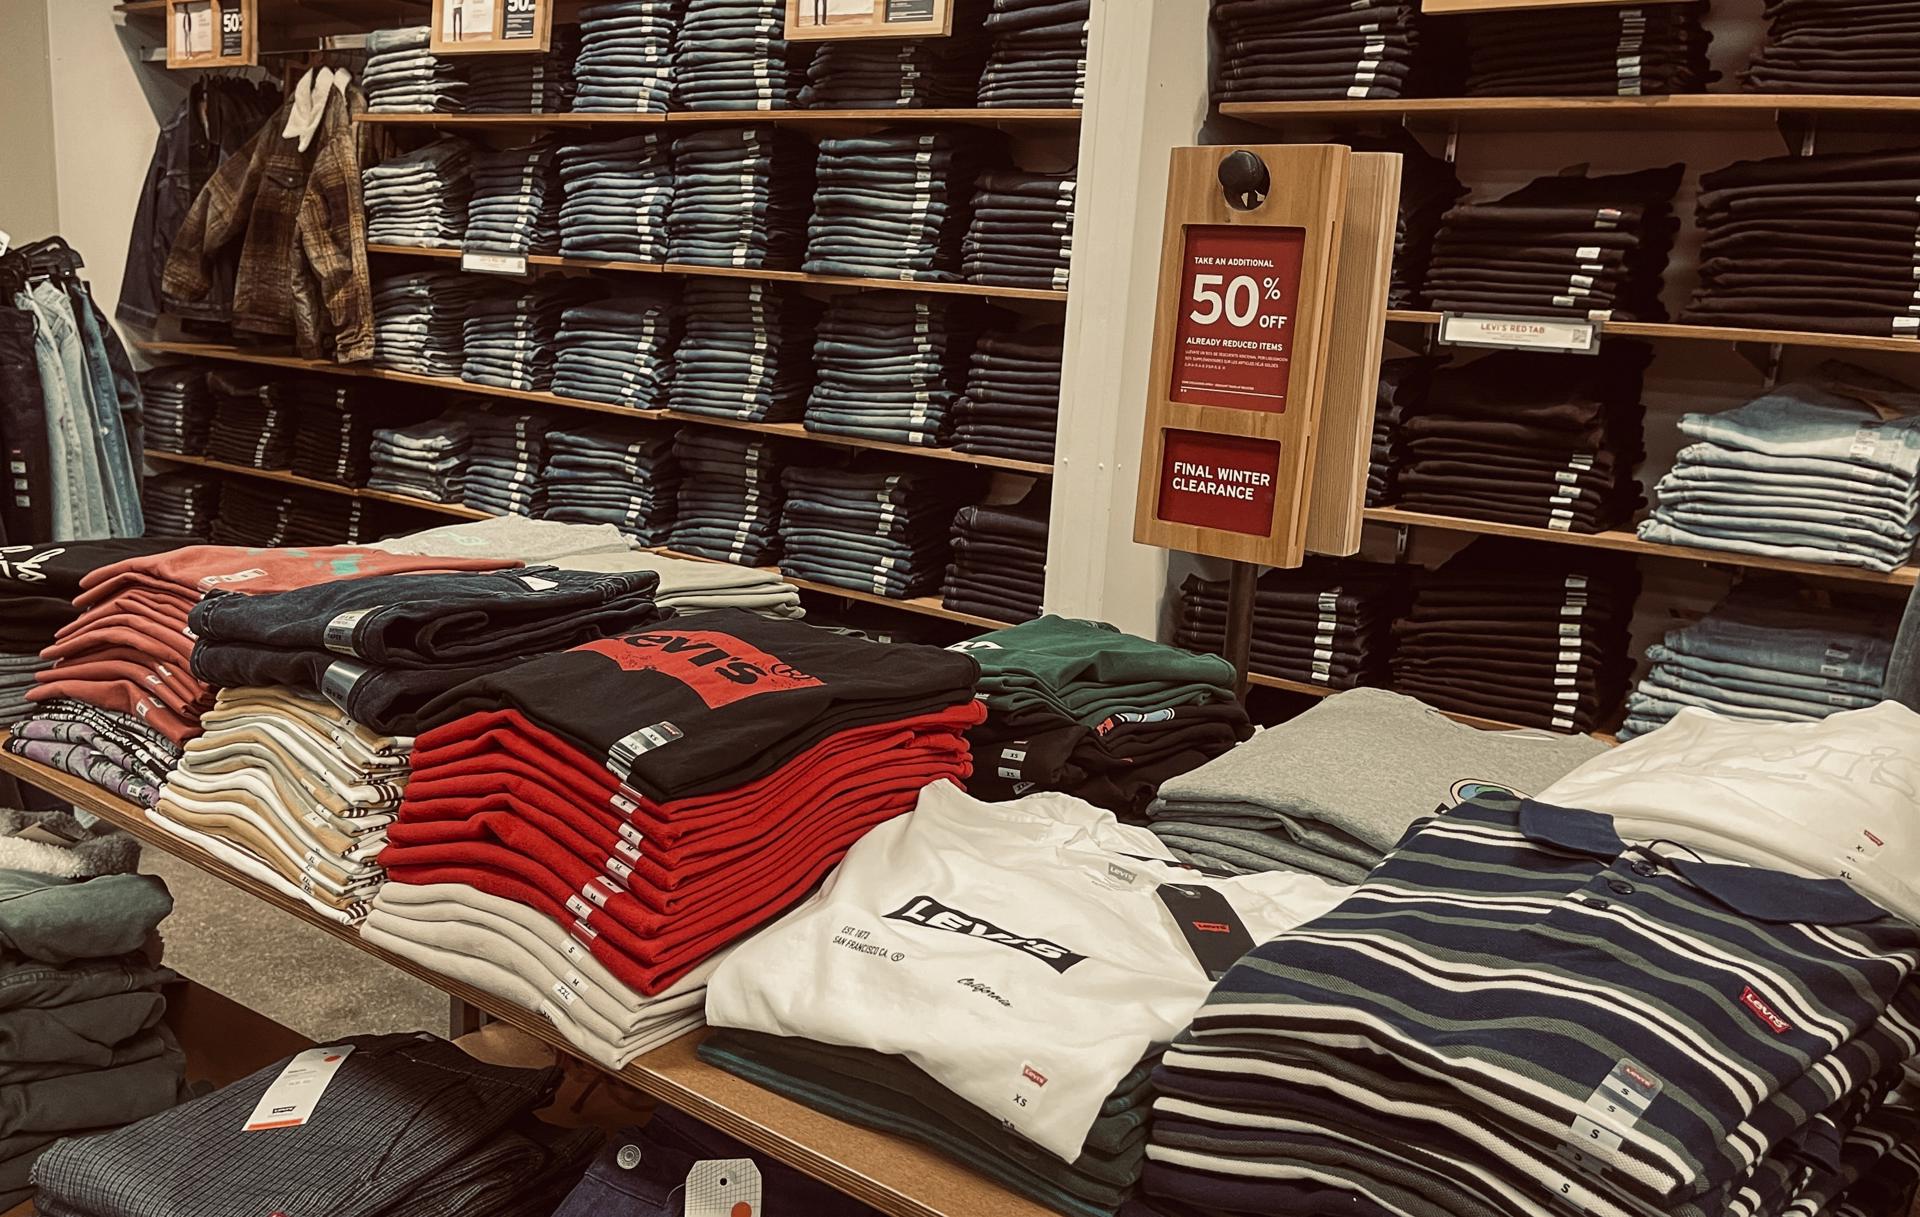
<point>1429,187</point>
<point>999,567</point>
<point>1312,50</point>
<point>1404,383</point>
<point>895,204</point>
<point>333,428</point>
<point>420,198</point>
<point>878,530</point>
<point>1011,407</point>
<point>509,336</point>
<point>730,497</point>
<point>1021,234</point>
<point>181,504</point>
<point>517,84</point>
<point>890,366</point>
<point>1328,623</point>
<point>741,197</point>
<point>419,321</point>
<point>1039,55</point>
<point>747,353</point>
<point>625,65</point>
<point>250,426</point>
<point>515,207</point>
<point>179,408</point>
<point>252,515</point>
<point>504,461</point>
<point>905,73</point>
<point>325,519</point>
<point>424,461</point>
<point>404,76</point>
<point>619,351</point>
<point>1836,46</point>
<point>613,473</point>
<point>616,198</point>
<point>733,55</point>
<point>1630,51</point>
<point>1808,471</point>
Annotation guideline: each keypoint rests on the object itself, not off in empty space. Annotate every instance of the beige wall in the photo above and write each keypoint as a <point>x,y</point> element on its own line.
<point>29,196</point>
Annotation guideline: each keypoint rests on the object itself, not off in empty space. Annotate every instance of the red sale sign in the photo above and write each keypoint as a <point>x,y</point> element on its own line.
<point>1219,481</point>
<point>1239,290</point>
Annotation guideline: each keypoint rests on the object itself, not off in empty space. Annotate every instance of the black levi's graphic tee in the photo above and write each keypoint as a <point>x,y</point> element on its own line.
<point>710,702</point>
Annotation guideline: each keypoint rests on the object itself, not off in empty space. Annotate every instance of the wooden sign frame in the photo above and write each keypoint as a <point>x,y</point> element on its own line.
<point>220,53</point>
<point>534,14</point>
<point>831,20</point>
<point>1240,354</point>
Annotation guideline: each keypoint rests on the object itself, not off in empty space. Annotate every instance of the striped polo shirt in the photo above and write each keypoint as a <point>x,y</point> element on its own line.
<point>1516,977</point>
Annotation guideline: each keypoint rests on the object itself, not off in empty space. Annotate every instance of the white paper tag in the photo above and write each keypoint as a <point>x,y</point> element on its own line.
<point>495,264</point>
<point>723,1187</point>
<point>1520,333</point>
<point>290,1101</point>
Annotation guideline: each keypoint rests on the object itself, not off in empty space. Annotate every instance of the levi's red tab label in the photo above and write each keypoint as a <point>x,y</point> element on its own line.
<point>719,668</point>
<point>1764,1012</point>
<point>1214,932</point>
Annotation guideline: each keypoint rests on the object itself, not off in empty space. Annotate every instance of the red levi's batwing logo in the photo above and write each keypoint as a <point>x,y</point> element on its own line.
<point>1033,1075</point>
<point>1754,1002</point>
<point>718,667</point>
<point>1212,927</point>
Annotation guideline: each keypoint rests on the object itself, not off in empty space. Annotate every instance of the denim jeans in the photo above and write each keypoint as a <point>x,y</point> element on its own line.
<point>1809,419</point>
<point>79,509</point>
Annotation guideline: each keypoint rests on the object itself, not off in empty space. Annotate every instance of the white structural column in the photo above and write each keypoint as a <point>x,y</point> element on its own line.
<point>1146,94</point>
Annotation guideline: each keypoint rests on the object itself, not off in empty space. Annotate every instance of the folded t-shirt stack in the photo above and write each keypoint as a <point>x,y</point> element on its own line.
<point>420,198</point>
<point>1021,234</point>
<point>425,461</point>
<point>333,428</point>
<point>878,530</point>
<point>1629,51</point>
<point>617,351</point>
<point>1058,921</point>
<point>890,365</point>
<point>1311,794</point>
<point>661,794</point>
<point>688,586</point>
<point>625,64</point>
<point>404,76</point>
<point>1820,243</point>
<point>1079,707</point>
<point>741,197</point>
<point>1310,50</point>
<point>419,321</point>
<point>251,426</point>
<point>1572,245</point>
<point>1528,437</point>
<point>522,84</point>
<point>1329,622</point>
<point>179,408</point>
<point>1771,651</point>
<point>734,55</point>
<point>903,73</point>
<point>1401,394</point>
<point>1011,407</point>
<point>747,352</point>
<point>896,204</point>
<point>181,504</point>
<point>1521,633</point>
<point>504,461</point>
<point>613,473</point>
<point>509,336</point>
<point>1836,46</point>
<point>1039,56</point>
<point>999,567</point>
<point>730,496</point>
<point>515,208</point>
<point>615,198</point>
<point>1825,469</point>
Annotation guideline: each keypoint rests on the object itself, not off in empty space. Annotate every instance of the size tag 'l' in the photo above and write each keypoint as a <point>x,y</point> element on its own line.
<point>291,1100</point>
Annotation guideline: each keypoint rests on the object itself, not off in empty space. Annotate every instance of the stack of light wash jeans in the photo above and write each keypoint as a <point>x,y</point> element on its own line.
<point>733,55</point>
<point>522,84</point>
<point>741,197</point>
<point>1011,407</point>
<point>895,204</point>
<point>891,365</point>
<point>1022,230</point>
<point>625,65</point>
<point>618,352</point>
<point>730,496</point>
<point>747,353</point>
<point>1039,57</point>
<point>905,73</point>
<point>504,462</point>
<point>333,427</point>
<point>179,408</point>
<point>403,76</point>
<point>510,334</point>
<point>179,504</point>
<point>999,566</point>
<point>1769,651</point>
<point>419,321</point>
<point>1807,471</point>
<point>873,528</point>
<point>616,196</point>
<point>614,473</point>
<point>420,198</point>
<point>426,461</point>
<point>515,208</point>
<point>251,426</point>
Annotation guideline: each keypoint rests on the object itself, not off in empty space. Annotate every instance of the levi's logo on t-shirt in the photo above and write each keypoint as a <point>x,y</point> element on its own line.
<point>925,910</point>
<point>1765,1013</point>
<point>718,667</point>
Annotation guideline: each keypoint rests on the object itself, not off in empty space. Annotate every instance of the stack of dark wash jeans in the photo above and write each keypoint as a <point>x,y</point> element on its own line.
<point>1011,406</point>
<point>419,321</point>
<point>509,336</point>
<point>179,411</point>
<point>733,55</point>
<point>895,204</point>
<point>999,566</point>
<point>515,207</point>
<point>326,519</point>
<point>625,65</point>
<point>250,425</point>
<point>617,194</point>
<point>1327,623</point>
<point>333,428</point>
<point>747,353</point>
<point>1021,234</point>
<point>613,473</point>
<point>427,460</point>
<point>410,1125</point>
<point>1403,391</point>
<point>891,366</point>
<point>1309,50</point>
<point>1569,245</point>
<point>730,496</point>
<point>902,74</point>
<point>1837,46</point>
<point>1529,437</point>
<point>403,76</point>
<point>420,198</point>
<point>1039,57</point>
<point>875,529</point>
<point>265,519</point>
<point>1820,243</point>
<point>522,84</point>
<point>504,462</point>
<point>1600,52</point>
<point>180,504</point>
<point>1429,187</point>
<point>618,352</point>
<point>1773,651</point>
<point>1532,635</point>
<point>1825,469</point>
<point>741,197</point>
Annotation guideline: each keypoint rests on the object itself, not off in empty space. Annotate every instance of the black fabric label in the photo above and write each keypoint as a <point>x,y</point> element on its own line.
<point>1214,932</point>
<point>233,30</point>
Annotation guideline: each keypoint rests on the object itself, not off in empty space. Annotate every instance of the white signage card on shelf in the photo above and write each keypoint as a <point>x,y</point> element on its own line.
<point>479,27</point>
<point>1520,333</point>
<point>822,20</point>
<point>195,27</point>
<point>494,264</point>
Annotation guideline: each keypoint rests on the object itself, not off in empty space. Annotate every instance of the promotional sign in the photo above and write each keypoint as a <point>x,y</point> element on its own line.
<point>213,34</point>
<point>492,27</point>
<point>1219,481</point>
<point>820,20</point>
<point>1242,286</point>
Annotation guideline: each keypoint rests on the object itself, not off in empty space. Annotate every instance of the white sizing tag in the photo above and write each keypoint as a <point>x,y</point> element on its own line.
<point>723,1187</point>
<point>291,1100</point>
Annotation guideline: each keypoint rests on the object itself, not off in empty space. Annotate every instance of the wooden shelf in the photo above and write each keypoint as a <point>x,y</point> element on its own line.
<point>1622,541</point>
<point>794,431</point>
<point>893,1175</point>
<point>1680,112</point>
<point>1666,331</point>
<point>289,478</point>
<point>1307,689</point>
<point>1039,119</point>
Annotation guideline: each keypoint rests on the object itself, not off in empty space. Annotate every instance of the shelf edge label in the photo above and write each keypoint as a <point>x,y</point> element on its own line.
<point>1568,334</point>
